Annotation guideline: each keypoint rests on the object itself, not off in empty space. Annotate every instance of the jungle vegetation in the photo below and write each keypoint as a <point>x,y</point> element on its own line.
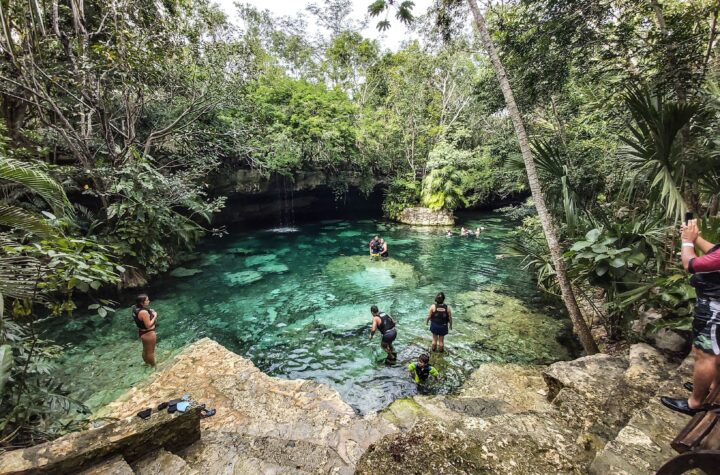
<point>117,117</point>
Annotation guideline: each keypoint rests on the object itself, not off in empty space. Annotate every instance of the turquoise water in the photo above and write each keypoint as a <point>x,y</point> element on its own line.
<point>296,302</point>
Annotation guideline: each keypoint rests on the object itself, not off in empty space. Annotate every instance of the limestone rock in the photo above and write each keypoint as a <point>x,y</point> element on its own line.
<point>130,437</point>
<point>265,410</point>
<point>670,340</point>
<point>643,446</point>
<point>162,462</point>
<point>114,466</point>
<point>426,217</point>
<point>646,366</point>
<point>589,376</point>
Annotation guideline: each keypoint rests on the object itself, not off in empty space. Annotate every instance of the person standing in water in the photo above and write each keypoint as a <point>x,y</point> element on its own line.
<point>440,319</point>
<point>145,319</point>
<point>375,246</point>
<point>385,323</point>
<point>384,248</point>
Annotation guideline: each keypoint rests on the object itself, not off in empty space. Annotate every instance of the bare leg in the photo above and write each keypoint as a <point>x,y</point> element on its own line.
<point>148,340</point>
<point>704,373</point>
<point>435,342</point>
<point>441,343</point>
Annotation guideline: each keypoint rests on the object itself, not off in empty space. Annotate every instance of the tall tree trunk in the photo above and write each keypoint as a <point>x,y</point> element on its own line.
<point>581,328</point>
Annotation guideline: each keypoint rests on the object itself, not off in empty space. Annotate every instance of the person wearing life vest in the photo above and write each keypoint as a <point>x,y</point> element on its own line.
<point>440,319</point>
<point>421,371</point>
<point>145,318</point>
<point>705,278</point>
<point>375,246</point>
<point>383,248</point>
<point>385,323</point>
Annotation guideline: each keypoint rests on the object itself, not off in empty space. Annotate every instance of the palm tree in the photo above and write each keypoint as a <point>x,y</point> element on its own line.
<point>656,149</point>
<point>403,13</point>
<point>19,274</point>
<point>544,215</point>
<point>442,189</point>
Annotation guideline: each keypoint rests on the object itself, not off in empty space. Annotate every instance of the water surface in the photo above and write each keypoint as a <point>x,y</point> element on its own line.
<point>296,301</point>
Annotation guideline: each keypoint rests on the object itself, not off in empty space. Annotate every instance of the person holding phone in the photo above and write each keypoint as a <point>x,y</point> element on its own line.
<point>705,278</point>
<point>145,319</point>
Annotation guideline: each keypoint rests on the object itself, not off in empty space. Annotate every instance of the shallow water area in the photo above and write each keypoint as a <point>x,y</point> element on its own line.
<point>295,300</point>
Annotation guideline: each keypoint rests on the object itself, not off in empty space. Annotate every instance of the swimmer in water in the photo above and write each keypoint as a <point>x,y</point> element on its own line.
<point>421,371</point>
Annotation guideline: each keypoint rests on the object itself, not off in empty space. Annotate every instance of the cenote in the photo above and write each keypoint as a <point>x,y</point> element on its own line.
<point>296,302</point>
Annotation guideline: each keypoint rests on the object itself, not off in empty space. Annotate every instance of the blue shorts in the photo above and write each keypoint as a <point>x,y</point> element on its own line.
<point>439,330</point>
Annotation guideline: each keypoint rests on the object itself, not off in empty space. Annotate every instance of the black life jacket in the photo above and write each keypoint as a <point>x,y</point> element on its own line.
<point>424,372</point>
<point>376,246</point>
<point>136,316</point>
<point>440,315</point>
<point>386,323</point>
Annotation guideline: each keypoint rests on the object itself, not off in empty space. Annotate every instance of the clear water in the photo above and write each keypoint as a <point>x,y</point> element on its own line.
<point>296,302</point>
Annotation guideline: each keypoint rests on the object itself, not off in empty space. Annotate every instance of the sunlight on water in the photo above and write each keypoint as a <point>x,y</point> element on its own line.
<point>297,304</point>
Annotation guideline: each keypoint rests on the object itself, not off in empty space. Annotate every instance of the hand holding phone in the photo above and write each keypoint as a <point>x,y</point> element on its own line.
<point>688,217</point>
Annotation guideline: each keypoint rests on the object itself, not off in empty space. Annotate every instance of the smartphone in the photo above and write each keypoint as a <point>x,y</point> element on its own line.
<point>688,217</point>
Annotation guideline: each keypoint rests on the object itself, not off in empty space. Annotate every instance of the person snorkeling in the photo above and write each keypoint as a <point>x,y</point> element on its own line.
<point>385,323</point>
<point>464,232</point>
<point>421,370</point>
<point>440,319</point>
<point>145,318</point>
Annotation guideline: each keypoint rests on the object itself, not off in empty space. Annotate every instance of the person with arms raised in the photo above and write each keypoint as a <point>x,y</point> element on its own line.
<point>705,278</point>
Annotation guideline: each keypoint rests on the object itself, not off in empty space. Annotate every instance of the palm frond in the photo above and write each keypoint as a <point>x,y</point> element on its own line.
<point>37,182</point>
<point>653,148</point>
<point>15,217</point>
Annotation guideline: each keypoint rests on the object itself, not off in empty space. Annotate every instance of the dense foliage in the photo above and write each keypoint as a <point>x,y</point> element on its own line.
<point>117,117</point>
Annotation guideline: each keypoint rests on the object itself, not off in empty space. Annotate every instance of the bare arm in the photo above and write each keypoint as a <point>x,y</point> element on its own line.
<point>704,245</point>
<point>432,310</point>
<point>449,317</point>
<point>148,319</point>
<point>373,329</point>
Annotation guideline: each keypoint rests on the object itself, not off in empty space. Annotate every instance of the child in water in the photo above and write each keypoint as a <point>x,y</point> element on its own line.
<point>421,371</point>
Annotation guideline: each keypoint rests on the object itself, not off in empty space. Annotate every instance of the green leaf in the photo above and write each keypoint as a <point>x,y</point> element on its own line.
<point>36,181</point>
<point>602,269</point>
<point>580,245</point>
<point>94,306</point>
<point>618,262</point>
<point>102,312</point>
<point>636,258</point>
<point>6,363</point>
<point>592,235</point>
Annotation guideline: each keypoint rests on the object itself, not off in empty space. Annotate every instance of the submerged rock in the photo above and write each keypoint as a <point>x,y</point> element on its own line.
<point>185,272</point>
<point>242,277</point>
<point>273,268</point>
<point>504,325</point>
<point>365,272</point>
<point>259,259</point>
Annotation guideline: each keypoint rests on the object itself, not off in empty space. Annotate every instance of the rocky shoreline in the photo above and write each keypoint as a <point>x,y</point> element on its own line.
<point>595,414</point>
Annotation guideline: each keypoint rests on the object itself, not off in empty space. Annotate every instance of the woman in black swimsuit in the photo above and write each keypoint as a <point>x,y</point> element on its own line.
<point>145,319</point>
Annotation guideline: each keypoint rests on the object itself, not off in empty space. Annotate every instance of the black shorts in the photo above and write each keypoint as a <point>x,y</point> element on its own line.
<point>706,326</point>
<point>389,336</point>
